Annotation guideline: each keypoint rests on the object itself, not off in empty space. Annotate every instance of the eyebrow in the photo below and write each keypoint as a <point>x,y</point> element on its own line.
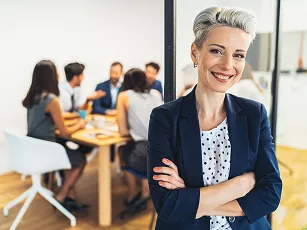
<point>223,47</point>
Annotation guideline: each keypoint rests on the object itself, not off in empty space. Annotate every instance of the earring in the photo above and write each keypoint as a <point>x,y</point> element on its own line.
<point>195,65</point>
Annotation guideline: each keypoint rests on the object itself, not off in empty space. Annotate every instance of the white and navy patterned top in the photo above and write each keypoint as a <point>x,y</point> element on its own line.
<point>216,151</point>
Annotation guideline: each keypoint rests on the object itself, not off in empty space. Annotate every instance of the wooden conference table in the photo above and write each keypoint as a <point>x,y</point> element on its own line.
<point>103,139</point>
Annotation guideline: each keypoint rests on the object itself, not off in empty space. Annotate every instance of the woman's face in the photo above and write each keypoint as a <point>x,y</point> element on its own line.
<point>221,58</point>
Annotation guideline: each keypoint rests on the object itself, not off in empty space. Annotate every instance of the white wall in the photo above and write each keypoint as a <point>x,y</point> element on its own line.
<point>292,12</point>
<point>290,50</point>
<point>93,32</point>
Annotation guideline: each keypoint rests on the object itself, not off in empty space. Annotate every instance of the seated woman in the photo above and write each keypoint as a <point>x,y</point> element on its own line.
<point>44,115</point>
<point>134,106</point>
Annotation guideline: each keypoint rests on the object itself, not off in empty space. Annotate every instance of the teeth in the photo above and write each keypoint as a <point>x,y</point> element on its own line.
<point>220,76</point>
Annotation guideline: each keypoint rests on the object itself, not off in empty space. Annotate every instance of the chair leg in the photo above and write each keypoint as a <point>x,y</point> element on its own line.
<point>47,191</point>
<point>153,217</point>
<point>23,209</point>
<point>16,201</point>
<point>286,166</point>
<point>91,156</point>
<point>56,204</point>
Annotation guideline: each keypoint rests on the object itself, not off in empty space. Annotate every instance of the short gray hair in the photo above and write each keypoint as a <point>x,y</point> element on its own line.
<point>215,16</point>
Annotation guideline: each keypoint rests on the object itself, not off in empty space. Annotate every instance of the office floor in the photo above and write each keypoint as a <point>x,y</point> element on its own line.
<point>41,215</point>
<point>291,215</point>
<point>292,212</point>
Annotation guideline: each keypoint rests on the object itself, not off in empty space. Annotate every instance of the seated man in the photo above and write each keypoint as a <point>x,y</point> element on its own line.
<point>71,101</point>
<point>112,87</point>
<point>151,71</point>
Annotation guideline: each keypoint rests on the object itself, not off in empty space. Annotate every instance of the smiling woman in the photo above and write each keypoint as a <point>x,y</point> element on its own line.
<point>211,160</point>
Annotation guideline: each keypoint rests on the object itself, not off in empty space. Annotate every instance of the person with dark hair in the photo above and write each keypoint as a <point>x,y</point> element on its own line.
<point>112,87</point>
<point>72,100</point>
<point>44,115</point>
<point>151,71</point>
<point>70,91</point>
<point>134,106</point>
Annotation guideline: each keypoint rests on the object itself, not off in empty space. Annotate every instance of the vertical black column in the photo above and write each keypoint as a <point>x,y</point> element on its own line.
<point>275,79</point>
<point>169,50</point>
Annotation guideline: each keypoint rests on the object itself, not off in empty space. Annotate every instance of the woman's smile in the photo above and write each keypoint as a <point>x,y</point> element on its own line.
<point>222,77</point>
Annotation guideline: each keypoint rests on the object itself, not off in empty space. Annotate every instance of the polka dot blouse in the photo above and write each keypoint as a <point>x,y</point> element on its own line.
<point>215,145</point>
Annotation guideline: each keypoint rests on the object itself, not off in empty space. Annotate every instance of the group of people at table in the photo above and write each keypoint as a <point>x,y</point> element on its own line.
<point>211,158</point>
<point>49,103</point>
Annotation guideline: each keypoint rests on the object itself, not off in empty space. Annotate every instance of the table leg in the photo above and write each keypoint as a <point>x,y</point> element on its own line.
<point>104,187</point>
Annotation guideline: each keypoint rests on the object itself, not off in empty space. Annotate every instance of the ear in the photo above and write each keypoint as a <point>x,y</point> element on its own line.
<point>74,78</point>
<point>194,53</point>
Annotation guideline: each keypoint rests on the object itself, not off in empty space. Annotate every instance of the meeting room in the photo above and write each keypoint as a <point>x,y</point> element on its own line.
<point>153,114</point>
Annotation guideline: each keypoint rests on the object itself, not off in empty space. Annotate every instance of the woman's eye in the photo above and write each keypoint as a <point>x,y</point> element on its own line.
<point>239,56</point>
<point>215,51</point>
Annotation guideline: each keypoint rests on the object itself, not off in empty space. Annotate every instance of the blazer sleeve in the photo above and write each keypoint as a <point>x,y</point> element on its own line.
<point>172,206</point>
<point>265,197</point>
<point>97,107</point>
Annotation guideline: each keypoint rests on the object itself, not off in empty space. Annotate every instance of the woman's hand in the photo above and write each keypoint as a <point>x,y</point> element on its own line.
<point>168,177</point>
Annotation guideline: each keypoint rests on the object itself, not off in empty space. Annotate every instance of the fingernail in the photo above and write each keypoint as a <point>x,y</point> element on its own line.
<point>165,161</point>
<point>155,169</point>
<point>154,177</point>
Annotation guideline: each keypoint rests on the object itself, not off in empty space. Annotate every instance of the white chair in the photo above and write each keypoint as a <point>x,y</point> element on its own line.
<point>58,178</point>
<point>30,156</point>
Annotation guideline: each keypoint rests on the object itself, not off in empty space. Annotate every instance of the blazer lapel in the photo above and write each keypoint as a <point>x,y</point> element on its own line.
<point>189,134</point>
<point>238,134</point>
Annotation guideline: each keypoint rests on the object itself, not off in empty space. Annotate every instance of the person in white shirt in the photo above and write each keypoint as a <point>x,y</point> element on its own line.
<point>71,96</point>
<point>71,100</point>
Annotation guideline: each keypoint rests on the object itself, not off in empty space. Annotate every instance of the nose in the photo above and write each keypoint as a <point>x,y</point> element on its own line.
<point>226,62</point>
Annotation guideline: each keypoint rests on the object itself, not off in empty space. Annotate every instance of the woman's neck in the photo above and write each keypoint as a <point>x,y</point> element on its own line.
<point>210,105</point>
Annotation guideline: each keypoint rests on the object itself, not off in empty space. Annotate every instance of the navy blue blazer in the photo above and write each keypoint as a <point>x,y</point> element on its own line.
<point>174,134</point>
<point>101,105</point>
<point>157,85</point>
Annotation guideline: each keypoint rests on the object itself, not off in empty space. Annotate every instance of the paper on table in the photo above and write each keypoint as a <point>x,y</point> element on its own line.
<point>105,132</point>
<point>113,128</point>
<point>101,134</point>
<point>89,126</point>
